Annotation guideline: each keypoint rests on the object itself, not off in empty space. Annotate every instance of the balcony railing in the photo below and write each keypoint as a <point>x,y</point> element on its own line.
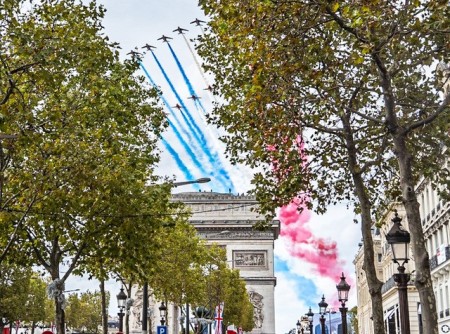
<point>389,284</point>
<point>434,262</point>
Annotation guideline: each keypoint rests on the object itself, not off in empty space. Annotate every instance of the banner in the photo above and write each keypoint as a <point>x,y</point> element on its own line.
<point>218,319</point>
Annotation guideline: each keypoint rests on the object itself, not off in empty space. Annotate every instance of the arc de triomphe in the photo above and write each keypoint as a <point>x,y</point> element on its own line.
<point>227,220</point>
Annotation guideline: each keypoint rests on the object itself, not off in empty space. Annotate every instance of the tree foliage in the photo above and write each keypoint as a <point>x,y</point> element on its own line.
<point>336,101</point>
<point>83,313</point>
<point>188,270</point>
<point>14,292</point>
<point>86,130</point>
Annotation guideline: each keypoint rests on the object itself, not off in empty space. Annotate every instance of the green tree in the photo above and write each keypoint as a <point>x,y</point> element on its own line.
<point>87,129</point>
<point>35,305</point>
<point>83,312</point>
<point>14,292</point>
<point>336,101</point>
<point>353,318</point>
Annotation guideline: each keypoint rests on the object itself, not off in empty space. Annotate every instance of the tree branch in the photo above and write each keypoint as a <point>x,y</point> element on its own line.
<point>344,26</point>
<point>440,109</point>
<point>16,230</point>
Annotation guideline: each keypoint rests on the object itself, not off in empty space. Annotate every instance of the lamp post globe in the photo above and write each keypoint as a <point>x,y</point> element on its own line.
<point>310,316</point>
<point>299,327</point>
<point>343,288</point>
<point>121,299</point>
<point>399,239</point>
<point>163,313</point>
<point>322,310</point>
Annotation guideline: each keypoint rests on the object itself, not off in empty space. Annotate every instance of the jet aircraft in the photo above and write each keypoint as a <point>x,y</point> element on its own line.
<point>198,22</point>
<point>149,47</point>
<point>180,30</point>
<point>135,54</point>
<point>193,97</point>
<point>164,38</point>
<point>177,106</point>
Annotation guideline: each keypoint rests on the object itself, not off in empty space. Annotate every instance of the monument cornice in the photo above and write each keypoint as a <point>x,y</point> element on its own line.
<point>234,230</point>
<point>261,280</point>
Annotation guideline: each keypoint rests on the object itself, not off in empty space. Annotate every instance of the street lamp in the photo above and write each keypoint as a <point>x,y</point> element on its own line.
<point>121,299</point>
<point>299,327</point>
<point>322,309</point>
<point>163,313</point>
<point>399,240</point>
<point>310,316</point>
<point>343,288</point>
<point>200,180</point>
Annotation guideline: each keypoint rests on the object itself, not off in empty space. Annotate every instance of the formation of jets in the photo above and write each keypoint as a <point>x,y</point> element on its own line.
<point>166,39</point>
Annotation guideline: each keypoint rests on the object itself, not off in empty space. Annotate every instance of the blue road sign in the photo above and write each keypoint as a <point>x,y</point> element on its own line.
<point>161,330</point>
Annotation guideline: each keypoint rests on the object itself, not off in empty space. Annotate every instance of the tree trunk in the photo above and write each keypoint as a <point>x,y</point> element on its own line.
<point>127,309</point>
<point>373,283</point>
<point>59,317</point>
<point>423,281</point>
<point>104,308</point>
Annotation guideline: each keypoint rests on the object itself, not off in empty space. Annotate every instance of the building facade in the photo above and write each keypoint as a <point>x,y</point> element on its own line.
<point>227,220</point>
<point>386,268</point>
<point>435,213</point>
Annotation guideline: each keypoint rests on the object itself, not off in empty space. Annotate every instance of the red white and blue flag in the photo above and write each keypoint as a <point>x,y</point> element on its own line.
<point>218,319</point>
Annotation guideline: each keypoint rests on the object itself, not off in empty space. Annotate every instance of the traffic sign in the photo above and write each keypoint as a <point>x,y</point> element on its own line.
<point>161,330</point>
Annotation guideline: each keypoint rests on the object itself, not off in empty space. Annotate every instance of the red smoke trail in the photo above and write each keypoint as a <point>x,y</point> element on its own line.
<point>321,253</point>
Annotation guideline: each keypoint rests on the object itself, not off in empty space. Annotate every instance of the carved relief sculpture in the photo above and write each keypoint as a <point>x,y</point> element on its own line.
<point>137,310</point>
<point>257,302</point>
<point>247,259</point>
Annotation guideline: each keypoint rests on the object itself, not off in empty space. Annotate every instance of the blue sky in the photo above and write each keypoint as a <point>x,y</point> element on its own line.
<point>134,23</point>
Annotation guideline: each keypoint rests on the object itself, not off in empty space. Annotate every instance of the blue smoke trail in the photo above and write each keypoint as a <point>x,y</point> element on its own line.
<point>186,133</point>
<point>180,163</point>
<point>186,79</point>
<point>178,135</point>
<point>189,120</point>
<point>213,158</point>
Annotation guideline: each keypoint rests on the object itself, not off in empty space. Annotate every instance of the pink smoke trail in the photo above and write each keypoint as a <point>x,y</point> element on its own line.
<point>321,253</point>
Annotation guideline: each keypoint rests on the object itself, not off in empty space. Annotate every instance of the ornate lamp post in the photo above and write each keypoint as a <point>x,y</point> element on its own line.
<point>299,327</point>
<point>121,299</point>
<point>322,310</point>
<point>343,288</point>
<point>163,313</point>
<point>310,316</point>
<point>399,240</point>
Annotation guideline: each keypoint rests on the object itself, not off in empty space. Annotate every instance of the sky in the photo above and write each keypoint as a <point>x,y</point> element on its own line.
<point>312,250</point>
